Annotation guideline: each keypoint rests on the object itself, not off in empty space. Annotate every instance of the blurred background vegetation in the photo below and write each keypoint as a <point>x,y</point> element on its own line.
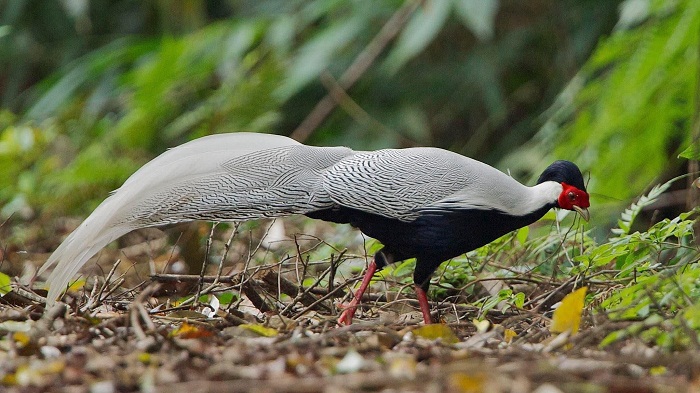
<point>91,90</point>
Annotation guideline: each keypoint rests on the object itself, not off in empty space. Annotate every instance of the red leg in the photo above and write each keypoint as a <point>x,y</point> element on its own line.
<point>424,306</point>
<point>346,316</point>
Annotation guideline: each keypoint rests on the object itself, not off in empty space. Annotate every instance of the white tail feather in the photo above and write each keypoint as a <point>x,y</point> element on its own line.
<point>192,160</point>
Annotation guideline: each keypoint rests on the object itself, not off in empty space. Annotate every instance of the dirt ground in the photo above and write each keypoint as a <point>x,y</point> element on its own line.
<point>141,349</point>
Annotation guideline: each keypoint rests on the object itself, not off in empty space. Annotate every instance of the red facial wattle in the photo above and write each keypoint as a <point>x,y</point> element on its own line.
<point>572,198</point>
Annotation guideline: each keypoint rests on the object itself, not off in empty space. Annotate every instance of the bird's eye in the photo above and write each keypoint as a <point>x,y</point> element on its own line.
<point>571,195</point>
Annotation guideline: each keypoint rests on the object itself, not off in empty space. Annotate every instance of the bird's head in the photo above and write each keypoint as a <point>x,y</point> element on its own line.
<point>573,195</point>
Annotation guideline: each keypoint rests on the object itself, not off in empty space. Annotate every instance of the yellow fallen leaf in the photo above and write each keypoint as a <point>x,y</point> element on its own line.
<point>144,357</point>
<point>55,367</point>
<point>436,331</point>
<point>259,330</point>
<point>657,370</point>
<point>509,335</point>
<point>22,339</point>
<point>187,330</point>
<point>8,380</point>
<point>567,317</point>
<point>24,344</point>
<point>467,383</point>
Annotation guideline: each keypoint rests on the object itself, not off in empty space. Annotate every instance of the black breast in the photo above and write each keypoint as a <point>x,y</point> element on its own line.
<point>432,237</point>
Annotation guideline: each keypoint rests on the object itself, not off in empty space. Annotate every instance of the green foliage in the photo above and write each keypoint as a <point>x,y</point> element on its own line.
<point>5,284</point>
<point>162,94</point>
<point>21,148</point>
<point>505,296</point>
<point>625,115</point>
<point>658,268</point>
<point>227,298</point>
<point>128,81</point>
<point>628,216</point>
<point>420,31</point>
<point>691,152</point>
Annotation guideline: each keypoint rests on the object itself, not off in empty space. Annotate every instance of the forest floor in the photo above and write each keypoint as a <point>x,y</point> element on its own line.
<point>271,337</point>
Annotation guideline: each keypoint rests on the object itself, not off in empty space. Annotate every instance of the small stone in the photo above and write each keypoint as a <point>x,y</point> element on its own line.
<point>102,387</point>
<point>352,362</point>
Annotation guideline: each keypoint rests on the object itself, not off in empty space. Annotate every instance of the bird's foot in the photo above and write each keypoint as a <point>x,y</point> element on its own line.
<point>347,315</point>
<point>349,312</point>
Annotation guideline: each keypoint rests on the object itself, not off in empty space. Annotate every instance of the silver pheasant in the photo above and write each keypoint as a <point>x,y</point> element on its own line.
<point>427,203</point>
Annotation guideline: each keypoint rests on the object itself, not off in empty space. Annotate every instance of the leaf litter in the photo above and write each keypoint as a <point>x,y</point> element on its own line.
<point>272,327</point>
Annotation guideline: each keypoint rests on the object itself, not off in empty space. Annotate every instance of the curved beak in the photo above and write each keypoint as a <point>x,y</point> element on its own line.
<point>583,212</point>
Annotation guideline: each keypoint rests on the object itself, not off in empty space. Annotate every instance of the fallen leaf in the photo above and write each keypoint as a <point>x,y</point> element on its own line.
<point>567,317</point>
<point>481,326</point>
<point>280,322</point>
<point>509,335</point>
<point>259,330</point>
<point>145,357</point>
<point>437,331</point>
<point>657,370</point>
<point>21,339</point>
<point>187,330</point>
<point>9,379</point>
<point>467,383</point>
<point>192,315</point>
<point>5,284</point>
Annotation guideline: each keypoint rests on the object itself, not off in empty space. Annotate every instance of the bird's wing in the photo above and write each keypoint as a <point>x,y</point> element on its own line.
<point>401,183</point>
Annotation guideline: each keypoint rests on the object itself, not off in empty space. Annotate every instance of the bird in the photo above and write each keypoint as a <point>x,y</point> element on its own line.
<point>419,202</point>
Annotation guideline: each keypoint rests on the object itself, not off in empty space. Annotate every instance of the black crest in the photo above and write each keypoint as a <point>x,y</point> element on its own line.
<point>563,172</point>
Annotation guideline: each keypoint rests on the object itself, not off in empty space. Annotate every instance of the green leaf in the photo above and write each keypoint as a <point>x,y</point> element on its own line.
<point>479,16</point>
<point>5,30</point>
<point>405,268</point>
<point>226,297</point>
<point>522,234</point>
<point>628,216</point>
<point>5,284</point>
<point>418,33</point>
<point>692,152</point>
<point>519,300</point>
<point>259,330</point>
<point>316,55</point>
<point>613,337</point>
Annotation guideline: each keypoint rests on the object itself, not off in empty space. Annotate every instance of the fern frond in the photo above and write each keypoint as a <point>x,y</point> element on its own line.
<point>628,216</point>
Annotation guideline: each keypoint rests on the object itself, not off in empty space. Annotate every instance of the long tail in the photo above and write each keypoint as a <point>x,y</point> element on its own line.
<point>220,177</point>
